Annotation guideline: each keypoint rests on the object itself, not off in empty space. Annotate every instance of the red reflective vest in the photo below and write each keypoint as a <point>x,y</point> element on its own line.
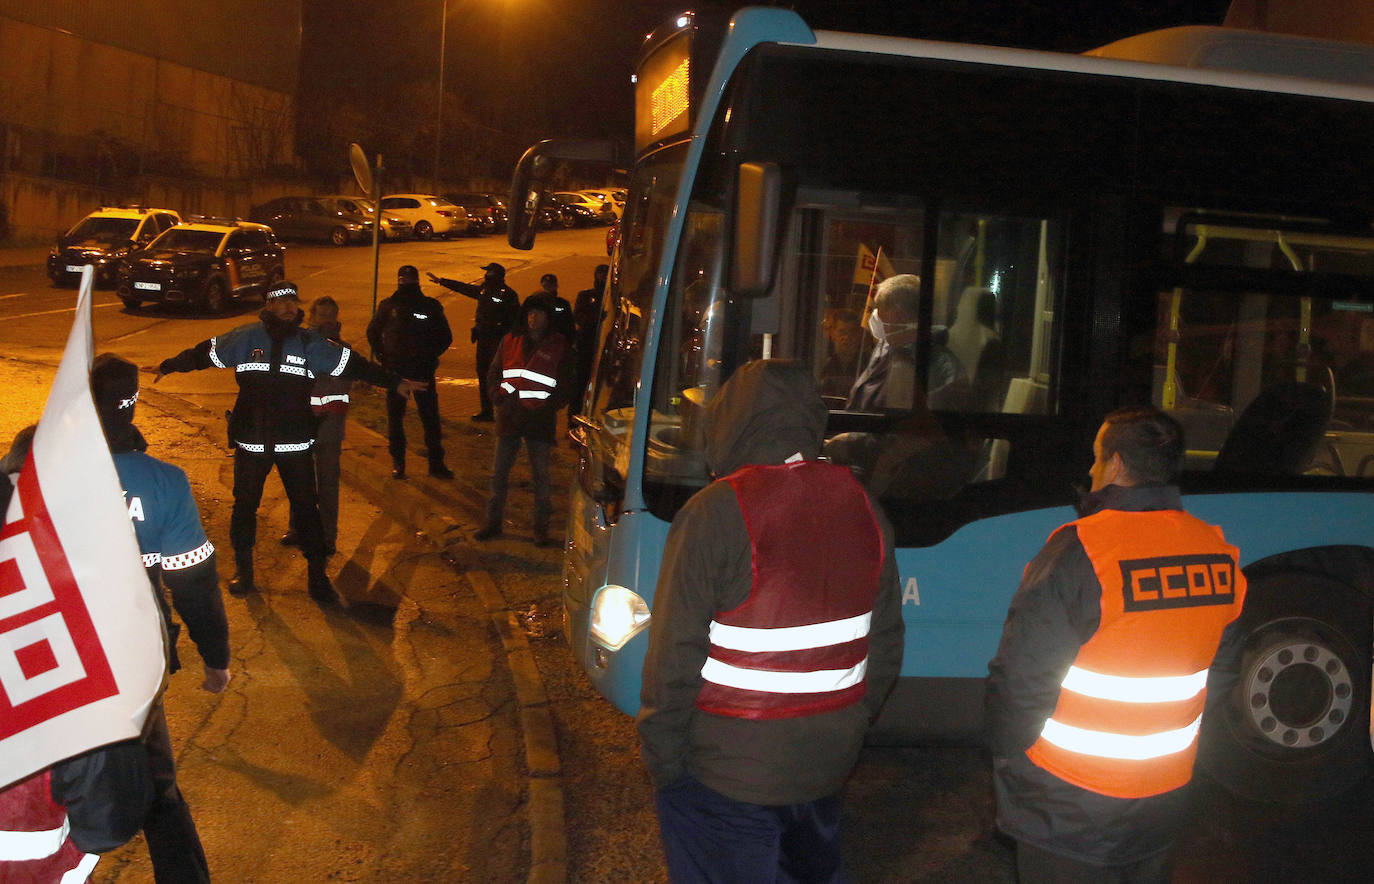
<point>34,845</point>
<point>798,645</point>
<point>531,376</point>
<point>1127,717</point>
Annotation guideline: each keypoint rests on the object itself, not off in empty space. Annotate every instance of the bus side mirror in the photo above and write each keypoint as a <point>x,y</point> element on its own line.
<point>530,183</point>
<point>759,193</point>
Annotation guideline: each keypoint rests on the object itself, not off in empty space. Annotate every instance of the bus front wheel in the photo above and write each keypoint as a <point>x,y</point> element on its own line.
<point>1290,724</point>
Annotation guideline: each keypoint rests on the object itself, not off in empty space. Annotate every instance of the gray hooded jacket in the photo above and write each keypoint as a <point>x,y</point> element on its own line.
<point>766,413</point>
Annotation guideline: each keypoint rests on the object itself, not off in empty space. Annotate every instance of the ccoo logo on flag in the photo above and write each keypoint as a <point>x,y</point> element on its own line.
<point>51,658</point>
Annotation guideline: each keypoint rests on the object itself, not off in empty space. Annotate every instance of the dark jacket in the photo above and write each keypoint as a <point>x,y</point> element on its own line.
<point>409,333</point>
<point>1056,609</point>
<point>275,364</point>
<point>498,307</point>
<point>760,417</point>
<point>891,379</point>
<point>512,417</point>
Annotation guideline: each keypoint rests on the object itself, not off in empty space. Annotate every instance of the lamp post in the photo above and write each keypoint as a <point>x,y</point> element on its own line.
<point>439,115</point>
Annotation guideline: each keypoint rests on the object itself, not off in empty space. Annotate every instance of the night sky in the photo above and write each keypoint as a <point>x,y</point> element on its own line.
<point>520,70</point>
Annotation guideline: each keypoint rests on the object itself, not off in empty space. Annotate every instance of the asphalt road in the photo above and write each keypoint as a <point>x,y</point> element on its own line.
<point>380,743</point>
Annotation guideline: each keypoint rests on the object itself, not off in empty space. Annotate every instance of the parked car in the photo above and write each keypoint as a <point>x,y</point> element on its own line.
<point>612,237</point>
<point>312,218</point>
<point>206,262</point>
<point>102,238</point>
<point>429,215</point>
<point>599,209</point>
<point>485,208</point>
<point>393,226</point>
<point>615,199</point>
<point>554,213</point>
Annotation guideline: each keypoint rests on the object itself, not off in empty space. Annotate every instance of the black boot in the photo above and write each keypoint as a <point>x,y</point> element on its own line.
<point>487,531</point>
<point>320,587</point>
<point>242,583</point>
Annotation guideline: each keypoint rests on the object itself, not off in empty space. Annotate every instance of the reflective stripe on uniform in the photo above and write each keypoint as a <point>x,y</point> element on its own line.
<point>790,638</point>
<point>1124,747</point>
<point>774,682</point>
<point>280,448</point>
<point>82,871</point>
<point>535,394</point>
<point>294,369</point>
<point>1160,689</point>
<point>343,361</point>
<point>214,356</point>
<point>22,846</point>
<point>187,559</point>
<point>151,559</point>
<point>327,400</point>
<point>508,388</point>
<point>529,376</point>
<point>253,366</point>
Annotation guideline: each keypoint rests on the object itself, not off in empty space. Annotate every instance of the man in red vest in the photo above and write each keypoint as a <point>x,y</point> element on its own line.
<point>530,379</point>
<point>776,634</point>
<point>1097,690</point>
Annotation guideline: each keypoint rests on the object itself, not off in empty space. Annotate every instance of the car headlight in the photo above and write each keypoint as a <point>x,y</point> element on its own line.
<point>617,616</point>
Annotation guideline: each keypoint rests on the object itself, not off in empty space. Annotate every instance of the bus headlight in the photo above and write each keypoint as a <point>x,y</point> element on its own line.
<point>617,616</point>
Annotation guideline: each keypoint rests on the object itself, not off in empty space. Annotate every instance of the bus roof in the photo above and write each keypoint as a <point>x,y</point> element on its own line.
<point>1227,57</point>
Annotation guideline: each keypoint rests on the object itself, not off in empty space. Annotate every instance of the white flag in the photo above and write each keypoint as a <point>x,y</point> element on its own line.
<point>81,639</point>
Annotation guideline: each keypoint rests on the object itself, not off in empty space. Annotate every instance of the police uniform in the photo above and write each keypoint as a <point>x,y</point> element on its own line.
<point>1099,683</point>
<point>275,363</point>
<point>498,308</point>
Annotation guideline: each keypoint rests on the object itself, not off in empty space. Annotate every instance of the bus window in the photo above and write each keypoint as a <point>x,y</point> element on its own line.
<point>631,291</point>
<point>1263,352</point>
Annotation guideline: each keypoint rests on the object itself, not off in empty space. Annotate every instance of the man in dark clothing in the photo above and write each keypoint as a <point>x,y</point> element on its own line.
<point>177,554</point>
<point>498,307</point>
<point>587,318</point>
<point>776,635</point>
<point>530,379</point>
<point>562,320</point>
<point>329,400</point>
<point>408,334</point>
<point>1099,683</point>
<point>274,361</point>
<point>891,380</point>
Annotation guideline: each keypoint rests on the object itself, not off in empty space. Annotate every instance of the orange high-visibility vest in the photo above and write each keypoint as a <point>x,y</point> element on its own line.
<point>1129,708</point>
<point>798,645</point>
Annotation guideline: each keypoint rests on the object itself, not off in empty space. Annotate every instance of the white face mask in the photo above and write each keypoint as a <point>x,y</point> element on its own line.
<point>880,330</point>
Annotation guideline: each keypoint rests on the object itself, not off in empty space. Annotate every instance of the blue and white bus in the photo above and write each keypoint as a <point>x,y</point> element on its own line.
<point>1182,218</point>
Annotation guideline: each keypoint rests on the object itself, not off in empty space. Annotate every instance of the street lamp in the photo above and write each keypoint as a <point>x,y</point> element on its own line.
<point>439,115</point>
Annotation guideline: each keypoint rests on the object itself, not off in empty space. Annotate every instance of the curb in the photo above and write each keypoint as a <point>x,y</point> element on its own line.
<point>412,505</point>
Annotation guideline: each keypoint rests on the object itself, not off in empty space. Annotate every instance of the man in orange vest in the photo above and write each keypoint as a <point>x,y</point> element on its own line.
<point>1097,690</point>
<point>775,637</point>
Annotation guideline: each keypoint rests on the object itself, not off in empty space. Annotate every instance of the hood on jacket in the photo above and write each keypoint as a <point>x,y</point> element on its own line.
<point>768,411</point>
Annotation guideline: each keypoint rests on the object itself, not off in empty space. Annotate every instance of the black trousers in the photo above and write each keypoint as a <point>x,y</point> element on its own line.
<point>297,472</point>
<point>329,439</point>
<point>1035,865</point>
<point>173,842</point>
<point>486,352</point>
<point>427,407</point>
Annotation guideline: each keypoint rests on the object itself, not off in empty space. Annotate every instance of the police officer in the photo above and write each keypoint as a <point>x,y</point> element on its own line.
<point>562,321</point>
<point>587,318</point>
<point>776,636</point>
<point>408,334</point>
<point>274,361</point>
<point>177,554</point>
<point>1098,686</point>
<point>498,307</point>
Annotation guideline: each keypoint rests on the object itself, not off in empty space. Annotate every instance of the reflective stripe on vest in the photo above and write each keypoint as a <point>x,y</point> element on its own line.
<point>798,645</point>
<point>21,846</point>
<point>1126,720</point>
<point>319,401</point>
<point>531,377</point>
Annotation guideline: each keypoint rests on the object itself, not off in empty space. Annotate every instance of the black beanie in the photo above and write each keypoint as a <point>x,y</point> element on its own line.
<point>114,384</point>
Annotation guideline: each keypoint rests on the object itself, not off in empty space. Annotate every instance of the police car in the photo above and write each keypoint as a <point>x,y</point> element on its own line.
<point>104,237</point>
<point>206,263</point>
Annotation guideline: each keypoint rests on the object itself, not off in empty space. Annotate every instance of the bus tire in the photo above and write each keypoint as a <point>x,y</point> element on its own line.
<point>1293,724</point>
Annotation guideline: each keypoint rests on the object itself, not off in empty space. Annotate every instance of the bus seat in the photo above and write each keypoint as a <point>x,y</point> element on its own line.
<point>1024,396</point>
<point>1278,431</point>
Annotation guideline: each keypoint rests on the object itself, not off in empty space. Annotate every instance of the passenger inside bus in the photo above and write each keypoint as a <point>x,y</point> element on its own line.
<point>975,342</point>
<point>889,381</point>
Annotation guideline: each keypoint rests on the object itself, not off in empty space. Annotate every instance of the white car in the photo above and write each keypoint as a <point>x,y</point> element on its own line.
<point>429,215</point>
<point>393,227</point>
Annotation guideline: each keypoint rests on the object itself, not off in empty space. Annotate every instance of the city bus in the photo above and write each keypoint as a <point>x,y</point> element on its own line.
<point>1182,218</point>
